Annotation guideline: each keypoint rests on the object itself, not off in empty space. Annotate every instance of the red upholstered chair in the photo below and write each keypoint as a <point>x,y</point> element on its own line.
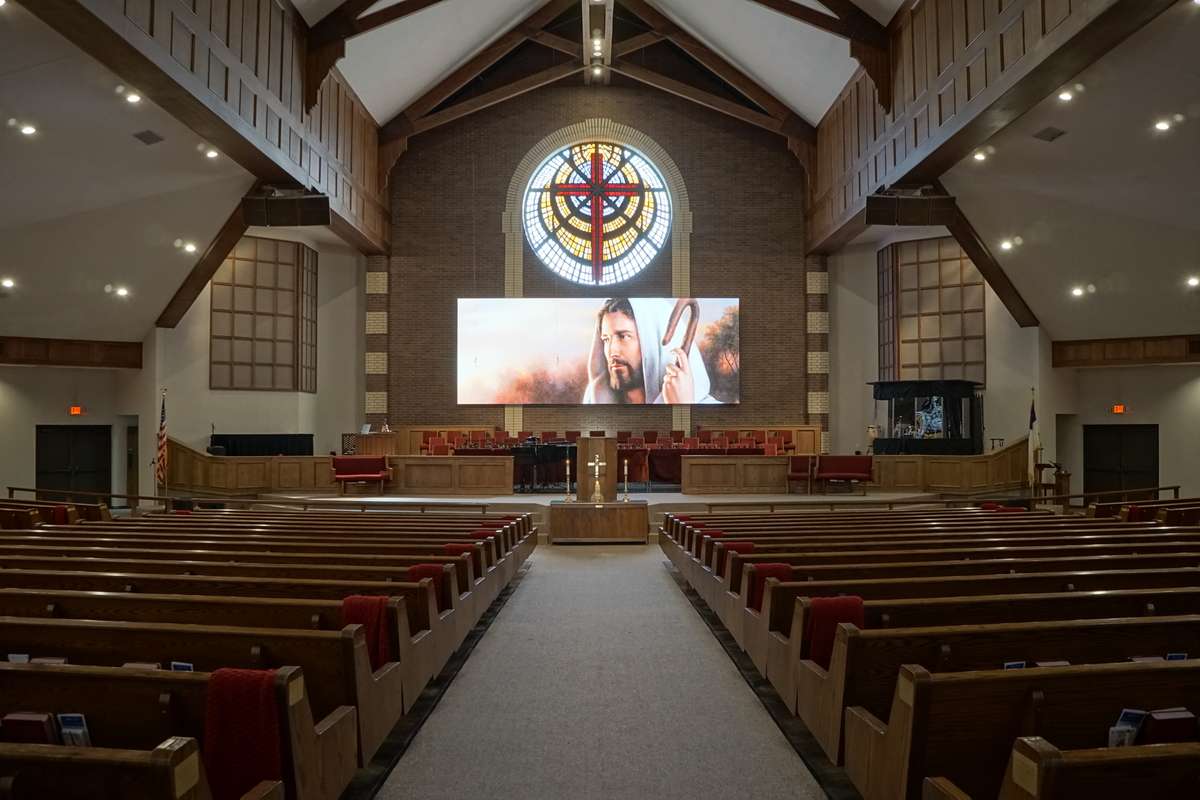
<point>732,435</point>
<point>678,436</point>
<point>434,442</point>
<point>623,436</point>
<point>850,469</point>
<point>800,469</point>
<point>360,469</point>
<point>573,436</point>
<point>769,449</point>
<point>691,443</point>
<point>746,443</point>
<point>705,436</point>
<point>523,435</point>
<point>479,436</point>
<point>758,436</point>
<point>549,436</point>
<point>719,442</point>
<point>777,441</point>
<point>635,441</point>
<point>595,433</point>
<point>458,440</point>
<point>440,450</point>
<point>650,436</point>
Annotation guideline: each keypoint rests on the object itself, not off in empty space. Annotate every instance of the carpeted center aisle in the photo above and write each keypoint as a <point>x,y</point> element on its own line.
<point>599,680</point>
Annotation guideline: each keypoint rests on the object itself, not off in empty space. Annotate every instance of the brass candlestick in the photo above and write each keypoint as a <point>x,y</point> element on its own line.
<point>626,500</point>
<point>568,480</point>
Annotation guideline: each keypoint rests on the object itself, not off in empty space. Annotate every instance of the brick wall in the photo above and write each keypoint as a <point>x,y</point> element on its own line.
<point>448,198</point>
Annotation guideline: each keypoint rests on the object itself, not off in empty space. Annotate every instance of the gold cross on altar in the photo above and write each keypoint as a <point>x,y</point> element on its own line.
<point>596,464</point>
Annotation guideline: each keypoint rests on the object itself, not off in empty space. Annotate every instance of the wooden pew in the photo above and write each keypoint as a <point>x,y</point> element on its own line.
<point>19,518</point>
<point>136,709</point>
<point>97,512</point>
<point>1113,509</point>
<point>336,665</point>
<point>961,725</point>
<point>426,611</point>
<point>779,599</point>
<point>170,771</point>
<point>721,587</point>
<point>453,604</point>
<point>1179,515</point>
<point>752,631</point>
<point>473,595</point>
<point>862,670</point>
<point>412,648</point>
<point>1037,770</point>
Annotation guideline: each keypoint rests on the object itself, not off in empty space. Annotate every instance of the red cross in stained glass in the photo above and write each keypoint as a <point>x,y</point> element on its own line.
<point>599,189</point>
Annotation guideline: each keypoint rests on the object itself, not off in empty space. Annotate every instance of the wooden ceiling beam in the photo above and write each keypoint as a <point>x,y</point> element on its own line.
<point>869,41</point>
<point>724,70</point>
<point>403,124</point>
<point>498,95</point>
<point>214,255</point>
<point>635,43</point>
<point>560,43</point>
<point>699,96</point>
<point>327,39</point>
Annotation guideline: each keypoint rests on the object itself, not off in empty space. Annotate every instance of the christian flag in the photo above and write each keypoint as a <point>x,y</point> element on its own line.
<point>160,460</point>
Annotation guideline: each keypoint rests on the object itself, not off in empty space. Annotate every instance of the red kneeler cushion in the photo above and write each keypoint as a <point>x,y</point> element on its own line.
<point>827,614</point>
<point>1011,508</point>
<point>759,581</point>
<point>417,572</point>
<point>370,611</point>
<point>241,732</point>
<point>989,506</point>
<point>732,547</point>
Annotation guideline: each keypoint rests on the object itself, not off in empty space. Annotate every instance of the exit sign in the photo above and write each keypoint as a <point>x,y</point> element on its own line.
<point>76,411</point>
<point>1118,408</point>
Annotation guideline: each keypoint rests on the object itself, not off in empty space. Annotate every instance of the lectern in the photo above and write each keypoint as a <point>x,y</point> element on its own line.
<point>588,450</point>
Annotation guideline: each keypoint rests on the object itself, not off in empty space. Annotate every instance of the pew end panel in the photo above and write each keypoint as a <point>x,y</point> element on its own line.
<point>322,757</point>
<point>943,789</point>
<point>878,753</point>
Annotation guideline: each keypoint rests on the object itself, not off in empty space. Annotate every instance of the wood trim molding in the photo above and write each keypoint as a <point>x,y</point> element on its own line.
<point>1132,351</point>
<point>26,351</point>
<point>218,250</point>
<point>499,95</point>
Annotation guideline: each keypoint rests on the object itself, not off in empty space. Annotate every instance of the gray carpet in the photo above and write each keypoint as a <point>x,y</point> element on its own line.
<point>599,680</point>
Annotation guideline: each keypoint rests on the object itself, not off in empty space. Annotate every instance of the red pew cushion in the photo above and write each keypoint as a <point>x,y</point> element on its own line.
<point>759,581</point>
<point>370,611</point>
<point>732,547</point>
<point>241,732</point>
<point>827,614</point>
<point>418,572</point>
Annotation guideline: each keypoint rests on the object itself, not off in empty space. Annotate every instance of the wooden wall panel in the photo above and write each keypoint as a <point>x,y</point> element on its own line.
<point>69,353</point>
<point>1127,352</point>
<point>243,61</point>
<point>951,59</point>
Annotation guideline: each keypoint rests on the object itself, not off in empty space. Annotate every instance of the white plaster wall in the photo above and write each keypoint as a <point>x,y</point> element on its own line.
<point>1168,396</point>
<point>32,396</point>
<point>1012,371</point>
<point>853,345</point>
<point>183,366</point>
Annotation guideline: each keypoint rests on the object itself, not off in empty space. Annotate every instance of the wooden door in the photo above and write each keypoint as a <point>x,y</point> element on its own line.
<point>1117,457</point>
<point>75,458</point>
<point>131,462</point>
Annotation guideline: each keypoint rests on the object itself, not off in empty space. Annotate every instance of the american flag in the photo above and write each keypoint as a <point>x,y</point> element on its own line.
<point>160,461</point>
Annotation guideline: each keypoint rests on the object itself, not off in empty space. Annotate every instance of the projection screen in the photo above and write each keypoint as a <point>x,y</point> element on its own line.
<point>607,351</point>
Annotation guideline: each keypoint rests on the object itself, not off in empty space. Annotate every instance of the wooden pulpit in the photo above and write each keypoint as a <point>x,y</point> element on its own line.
<point>379,444</point>
<point>588,449</point>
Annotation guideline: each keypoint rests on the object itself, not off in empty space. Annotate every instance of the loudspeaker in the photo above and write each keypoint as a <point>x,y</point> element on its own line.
<point>286,210</point>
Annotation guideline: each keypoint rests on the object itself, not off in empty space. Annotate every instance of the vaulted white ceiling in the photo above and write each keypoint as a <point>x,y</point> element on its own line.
<point>393,65</point>
<point>80,212</point>
<point>1112,204</point>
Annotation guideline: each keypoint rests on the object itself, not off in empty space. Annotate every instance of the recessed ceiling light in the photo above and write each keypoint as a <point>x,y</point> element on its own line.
<point>1162,125</point>
<point>9,283</point>
<point>133,97</point>
<point>1194,281</point>
<point>1006,244</point>
<point>1077,291</point>
<point>980,155</point>
<point>189,247</point>
<point>597,71</point>
<point>122,291</point>
<point>1066,96</point>
<point>2,3</point>
<point>28,130</point>
<point>211,153</point>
